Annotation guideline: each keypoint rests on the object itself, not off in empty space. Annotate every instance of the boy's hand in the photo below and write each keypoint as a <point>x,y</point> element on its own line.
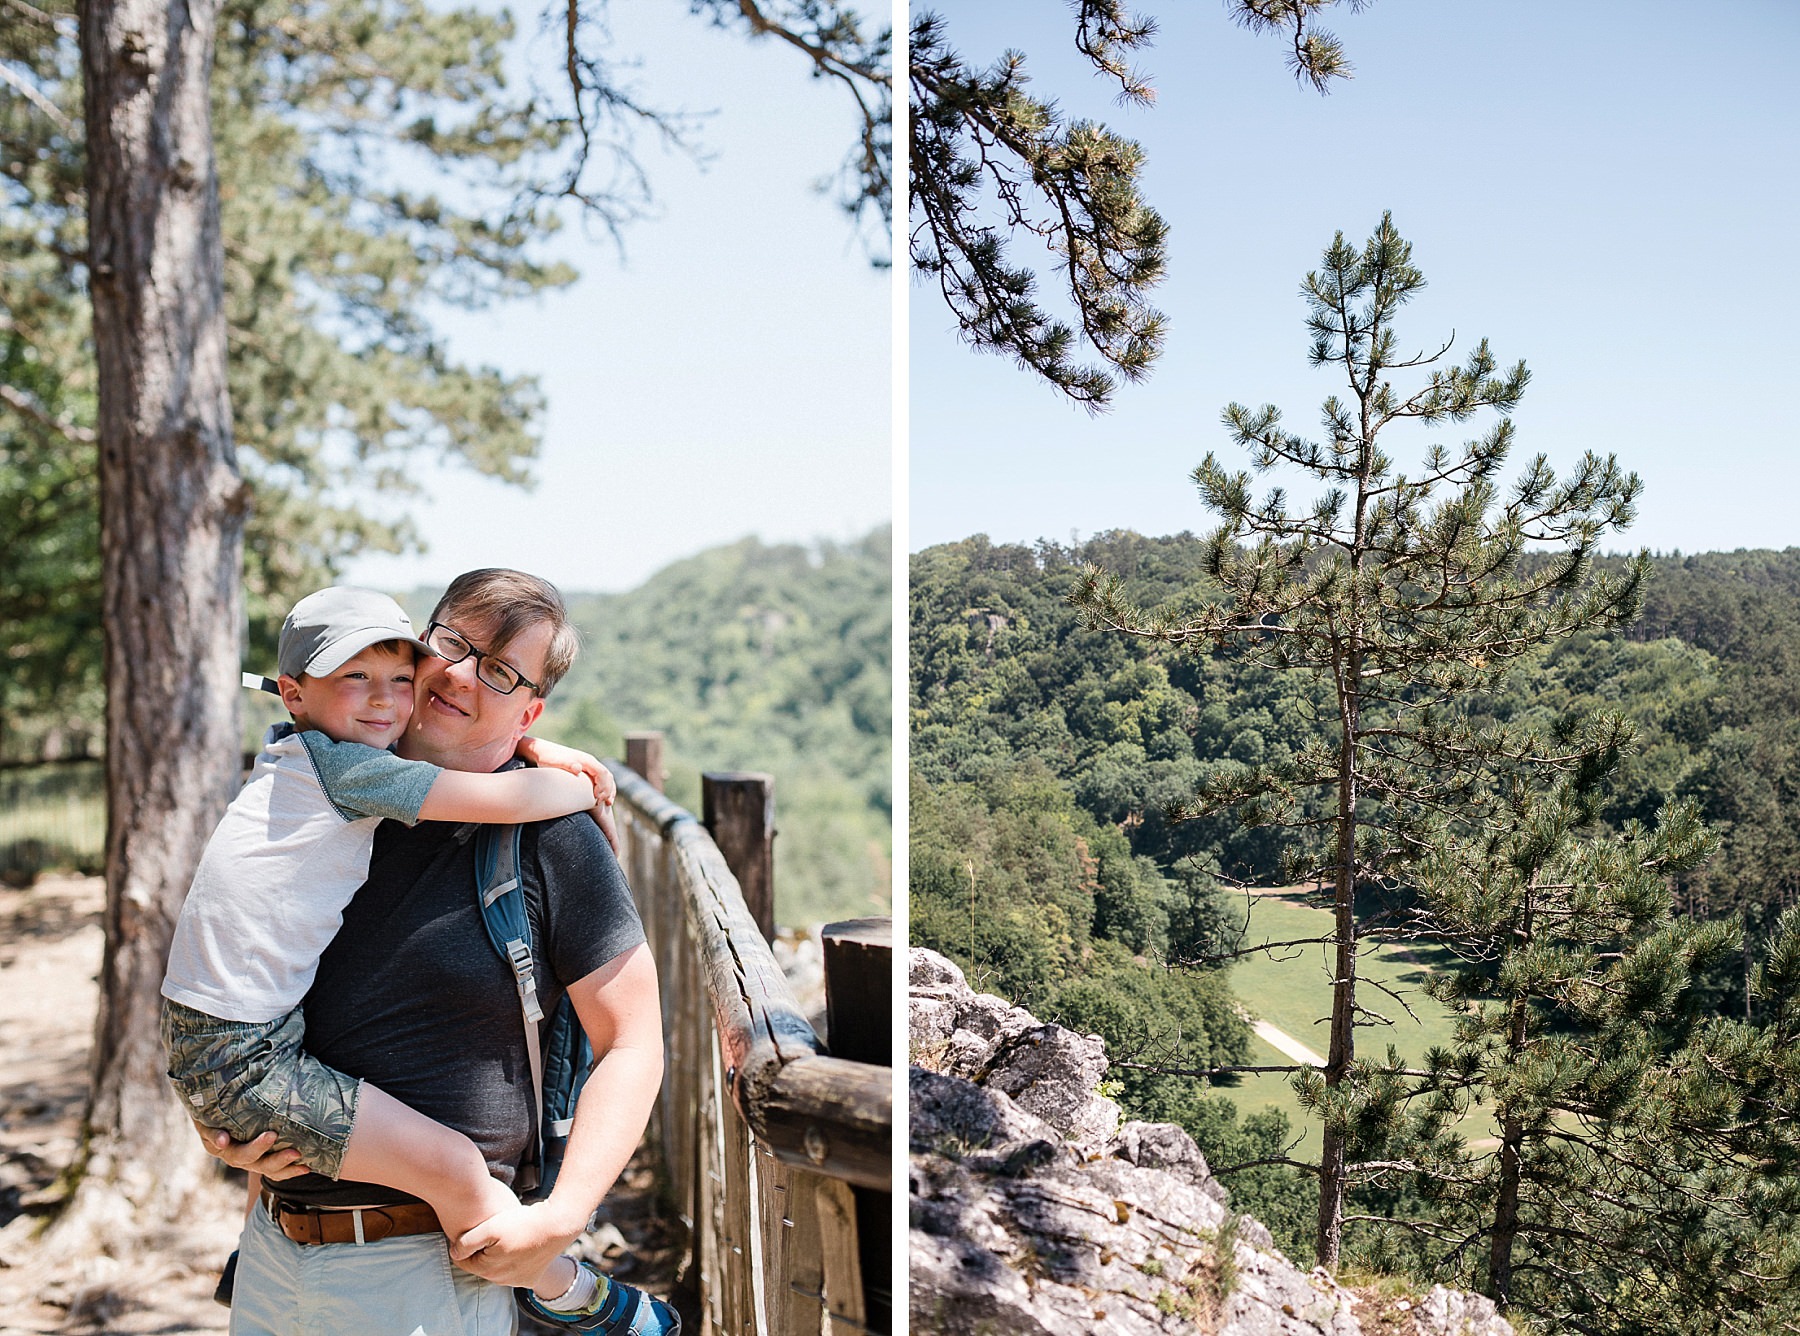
<point>256,1157</point>
<point>558,757</point>
<point>541,753</point>
<point>603,818</point>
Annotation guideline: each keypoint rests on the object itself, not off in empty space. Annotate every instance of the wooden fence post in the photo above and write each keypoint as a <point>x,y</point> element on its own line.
<point>859,1011</point>
<point>738,811</point>
<point>859,989</point>
<point>643,753</point>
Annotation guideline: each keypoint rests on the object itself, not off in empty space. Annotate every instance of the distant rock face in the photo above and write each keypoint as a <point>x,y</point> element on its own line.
<point>1033,1211</point>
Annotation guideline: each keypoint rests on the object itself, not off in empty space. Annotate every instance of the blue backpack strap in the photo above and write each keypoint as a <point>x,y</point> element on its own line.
<point>561,1062</point>
<point>503,908</point>
<point>502,896</point>
<point>567,1061</point>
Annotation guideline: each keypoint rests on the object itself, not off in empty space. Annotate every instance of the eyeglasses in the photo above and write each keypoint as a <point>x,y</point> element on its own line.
<point>496,673</point>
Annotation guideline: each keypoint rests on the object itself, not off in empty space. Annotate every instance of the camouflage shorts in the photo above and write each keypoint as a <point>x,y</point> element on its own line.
<point>249,1078</point>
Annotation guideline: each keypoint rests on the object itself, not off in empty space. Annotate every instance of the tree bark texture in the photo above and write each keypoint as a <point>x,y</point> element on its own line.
<point>171,524</point>
<point>1329,1236</point>
<point>1512,1137</point>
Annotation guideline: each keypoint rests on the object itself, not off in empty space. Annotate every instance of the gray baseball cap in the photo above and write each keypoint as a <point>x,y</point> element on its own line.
<point>329,628</point>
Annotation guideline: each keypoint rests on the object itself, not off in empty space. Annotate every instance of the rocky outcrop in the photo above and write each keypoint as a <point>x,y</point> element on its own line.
<point>1034,1211</point>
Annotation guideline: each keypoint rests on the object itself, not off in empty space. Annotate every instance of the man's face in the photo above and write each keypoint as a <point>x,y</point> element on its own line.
<point>461,722</point>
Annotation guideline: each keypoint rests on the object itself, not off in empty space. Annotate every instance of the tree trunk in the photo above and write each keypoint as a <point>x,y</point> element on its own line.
<point>1512,1132</point>
<point>1506,1215</point>
<point>171,528</point>
<point>1329,1238</point>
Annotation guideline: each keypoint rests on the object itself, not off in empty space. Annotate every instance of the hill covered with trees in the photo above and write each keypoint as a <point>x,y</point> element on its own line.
<point>1005,681</point>
<point>1046,760</point>
<point>758,657</point>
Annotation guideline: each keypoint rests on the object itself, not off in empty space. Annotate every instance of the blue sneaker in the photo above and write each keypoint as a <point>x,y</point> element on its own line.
<point>618,1309</point>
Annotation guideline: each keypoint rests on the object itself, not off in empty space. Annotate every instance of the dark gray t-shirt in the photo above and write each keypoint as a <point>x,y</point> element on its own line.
<point>412,996</point>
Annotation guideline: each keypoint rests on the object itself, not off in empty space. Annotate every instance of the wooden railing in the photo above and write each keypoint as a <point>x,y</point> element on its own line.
<point>768,1142</point>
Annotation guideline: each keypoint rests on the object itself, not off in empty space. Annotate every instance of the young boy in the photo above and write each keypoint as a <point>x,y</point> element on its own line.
<point>269,895</point>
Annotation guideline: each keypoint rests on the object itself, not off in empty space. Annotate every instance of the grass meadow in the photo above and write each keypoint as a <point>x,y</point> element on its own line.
<point>1291,989</point>
<point>51,817</point>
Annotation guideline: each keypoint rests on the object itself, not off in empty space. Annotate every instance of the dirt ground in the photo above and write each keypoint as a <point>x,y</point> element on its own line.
<point>50,945</point>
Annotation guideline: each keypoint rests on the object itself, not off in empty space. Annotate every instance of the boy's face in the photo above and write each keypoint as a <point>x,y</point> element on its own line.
<point>368,700</point>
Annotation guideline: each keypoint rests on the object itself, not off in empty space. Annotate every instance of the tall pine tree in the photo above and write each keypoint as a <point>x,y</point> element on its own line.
<point>1409,594</point>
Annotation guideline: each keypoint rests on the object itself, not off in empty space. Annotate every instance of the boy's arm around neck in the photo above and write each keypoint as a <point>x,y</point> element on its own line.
<point>518,796</point>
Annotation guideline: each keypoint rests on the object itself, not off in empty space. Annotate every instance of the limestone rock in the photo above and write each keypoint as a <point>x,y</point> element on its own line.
<point>1454,1313</point>
<point>1032,1211</point>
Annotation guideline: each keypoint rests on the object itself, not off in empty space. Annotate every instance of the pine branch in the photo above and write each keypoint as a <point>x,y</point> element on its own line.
<point>1301,1165</point>
<point>68,430</point>
<point>1159,1069</point>
<point>37,99</point>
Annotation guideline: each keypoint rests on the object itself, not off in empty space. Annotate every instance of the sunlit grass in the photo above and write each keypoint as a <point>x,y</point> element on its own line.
<point>51,818</point>
<point>1291,989</point>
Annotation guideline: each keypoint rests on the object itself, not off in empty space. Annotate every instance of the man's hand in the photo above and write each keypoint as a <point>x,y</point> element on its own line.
<point>603,818</point>
<point>514,1247</point>
<point>254,1157</point>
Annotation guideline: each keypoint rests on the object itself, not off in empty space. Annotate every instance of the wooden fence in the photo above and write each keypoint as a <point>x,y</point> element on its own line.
<point>773,1150</point>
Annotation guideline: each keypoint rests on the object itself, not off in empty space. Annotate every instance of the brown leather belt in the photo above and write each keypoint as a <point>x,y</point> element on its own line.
<point>309,1224</point>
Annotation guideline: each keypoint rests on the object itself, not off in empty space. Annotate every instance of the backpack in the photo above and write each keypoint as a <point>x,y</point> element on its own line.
<point>562,1059</point>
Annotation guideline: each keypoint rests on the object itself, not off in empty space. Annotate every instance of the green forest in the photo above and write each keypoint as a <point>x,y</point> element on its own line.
<point>1050,767</point>
<point>759,657</point>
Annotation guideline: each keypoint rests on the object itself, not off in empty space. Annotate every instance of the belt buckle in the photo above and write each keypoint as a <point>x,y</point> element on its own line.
<point>308,1220</point>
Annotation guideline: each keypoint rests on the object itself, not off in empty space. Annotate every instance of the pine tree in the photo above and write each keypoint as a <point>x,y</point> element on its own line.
<point>1576,990</point>
<point>995,168</point>
<point>1409,594</point>
<point>50,550</point>
<point>1643,1176</point>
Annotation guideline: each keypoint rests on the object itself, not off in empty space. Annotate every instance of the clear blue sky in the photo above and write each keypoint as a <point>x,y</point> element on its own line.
<point>730,376</point>
<point>1606,191</point>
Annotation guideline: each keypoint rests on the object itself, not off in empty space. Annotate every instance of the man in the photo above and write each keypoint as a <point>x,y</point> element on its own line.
<point>412,996</point>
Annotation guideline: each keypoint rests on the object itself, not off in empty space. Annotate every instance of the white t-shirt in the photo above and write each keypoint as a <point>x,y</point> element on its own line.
<point>292,849</point>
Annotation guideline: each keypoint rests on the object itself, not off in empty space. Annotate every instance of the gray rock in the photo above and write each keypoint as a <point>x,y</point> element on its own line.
<point>926,970</point>
<point>1169,1148</point>
<point>1454,1313</point>
<point>1032,1211</point>
<point>953,1118</point>
<point>1053,1072</point>
<point>953,1029</point>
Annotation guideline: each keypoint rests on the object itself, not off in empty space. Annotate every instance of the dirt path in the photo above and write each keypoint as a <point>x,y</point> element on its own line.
<point>50,946</point>
<point>1286,1044</point>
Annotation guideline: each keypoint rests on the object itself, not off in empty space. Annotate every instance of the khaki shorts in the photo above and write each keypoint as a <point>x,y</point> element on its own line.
<point>404,1286</point>
<point>249,1078</point>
